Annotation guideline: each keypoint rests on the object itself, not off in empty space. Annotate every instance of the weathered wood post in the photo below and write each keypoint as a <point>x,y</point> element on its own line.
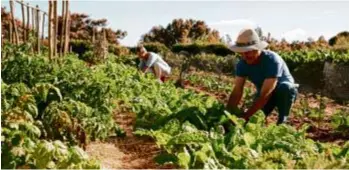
<point>14,21</point>
<point>50,38</point>
<point>67,27</point>
<point>33,19</point>
<point>55,27</point>
<point>10,33</point>
<point>37,29</point>
<point>28,22</point>
<point>43,27</point>
<point>61,43</point>
<point>23,23</point>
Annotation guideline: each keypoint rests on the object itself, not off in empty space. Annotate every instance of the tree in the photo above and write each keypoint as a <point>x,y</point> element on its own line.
<point>259,32</point>
<point>311,40</point>
<point>5,24</point>
<point>226,39</point>
<point>321,42</point>
<point>343,36</point>
<point>182,31</point>
<point>81,28</point>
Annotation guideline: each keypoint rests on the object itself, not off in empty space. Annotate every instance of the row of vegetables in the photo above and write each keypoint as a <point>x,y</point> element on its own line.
<point>50,110</point>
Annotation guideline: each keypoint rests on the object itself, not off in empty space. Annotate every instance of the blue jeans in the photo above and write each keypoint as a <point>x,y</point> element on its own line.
<point>282,97</point>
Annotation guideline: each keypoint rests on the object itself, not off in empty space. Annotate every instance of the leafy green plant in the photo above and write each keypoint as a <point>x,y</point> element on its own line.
<point>23,130</point>
<point>340,121</point>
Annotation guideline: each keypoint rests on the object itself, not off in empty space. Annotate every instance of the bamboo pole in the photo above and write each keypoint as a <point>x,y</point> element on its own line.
<point>10,33</point>
<point>14,21</point>
<point>23,23</point>
<point>33,19</point>
<point>37,29</point>
<point>55,27</point>
<point>33,26</point>
<point>61,48</point>
<point>28,22</point>
<point>43,27</point>
<point>67,27</point>
<point>50,11</point>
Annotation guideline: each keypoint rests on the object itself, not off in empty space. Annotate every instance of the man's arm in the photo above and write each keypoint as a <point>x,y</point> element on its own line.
<point>142,66</point>
<point>149,62</point>
<point>145,69</point>
<point>237,93</point>
<point>266,92</point>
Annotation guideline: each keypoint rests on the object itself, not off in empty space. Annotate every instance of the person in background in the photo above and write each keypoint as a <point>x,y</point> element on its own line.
<point>268,72</point>
<point>152,62</point>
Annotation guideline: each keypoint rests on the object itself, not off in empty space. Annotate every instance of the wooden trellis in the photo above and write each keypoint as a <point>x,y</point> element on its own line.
<point>31,24</point>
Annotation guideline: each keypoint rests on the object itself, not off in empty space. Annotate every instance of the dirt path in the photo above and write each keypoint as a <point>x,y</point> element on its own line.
<point>130,152</point>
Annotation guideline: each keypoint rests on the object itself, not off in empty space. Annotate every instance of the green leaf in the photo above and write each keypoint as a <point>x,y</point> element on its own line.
<point>166,158</point>
<point>189,137</point>
<point>77,154</point>
<point>258,118</point>
<point>18,151</point>
<point>184,159</point>
<point>33,110</point>
<point>238,122</point>
<point>249,138</point>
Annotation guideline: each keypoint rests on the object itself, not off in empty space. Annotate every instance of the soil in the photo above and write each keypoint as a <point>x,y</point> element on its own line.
<point>130,152</point>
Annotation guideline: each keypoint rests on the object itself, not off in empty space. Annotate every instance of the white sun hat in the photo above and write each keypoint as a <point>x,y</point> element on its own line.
<point>248,40</point>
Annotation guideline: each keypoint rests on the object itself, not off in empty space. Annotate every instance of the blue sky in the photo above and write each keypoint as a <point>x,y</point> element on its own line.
<point>296,20</point>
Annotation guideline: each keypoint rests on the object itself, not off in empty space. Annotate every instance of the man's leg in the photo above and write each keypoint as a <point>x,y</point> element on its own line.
<point>285,94</point>
<point>158,71</point>
<point>161,72</point>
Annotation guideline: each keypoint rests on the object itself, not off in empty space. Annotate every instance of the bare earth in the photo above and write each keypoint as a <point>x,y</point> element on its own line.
<point>130,152</point>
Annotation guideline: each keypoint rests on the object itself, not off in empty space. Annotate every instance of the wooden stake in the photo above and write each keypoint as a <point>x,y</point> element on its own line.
<point>10,33</point>
<point>61,48</point>
<point>33,19</point>
<point>55,27</point>
<point>14,21</point>
<point>67,27</point>
<point>28,22</point>
<point>50,11</point>
<point>43,27</point>
<point>23,24</point>
<point>37,29</point>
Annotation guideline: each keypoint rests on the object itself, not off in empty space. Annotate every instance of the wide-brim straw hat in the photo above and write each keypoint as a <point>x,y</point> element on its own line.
<point>248,40</point>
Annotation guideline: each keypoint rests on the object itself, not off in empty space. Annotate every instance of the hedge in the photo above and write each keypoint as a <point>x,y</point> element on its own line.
<point>81,47</point>
<point>118,50</point>
<point>217,49</point>
<point>153,47</point>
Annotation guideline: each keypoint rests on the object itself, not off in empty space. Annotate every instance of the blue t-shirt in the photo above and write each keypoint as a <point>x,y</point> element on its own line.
<point>271,65</point>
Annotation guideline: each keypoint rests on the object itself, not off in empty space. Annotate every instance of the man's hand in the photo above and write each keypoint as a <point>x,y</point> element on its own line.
<point>266,92</point>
